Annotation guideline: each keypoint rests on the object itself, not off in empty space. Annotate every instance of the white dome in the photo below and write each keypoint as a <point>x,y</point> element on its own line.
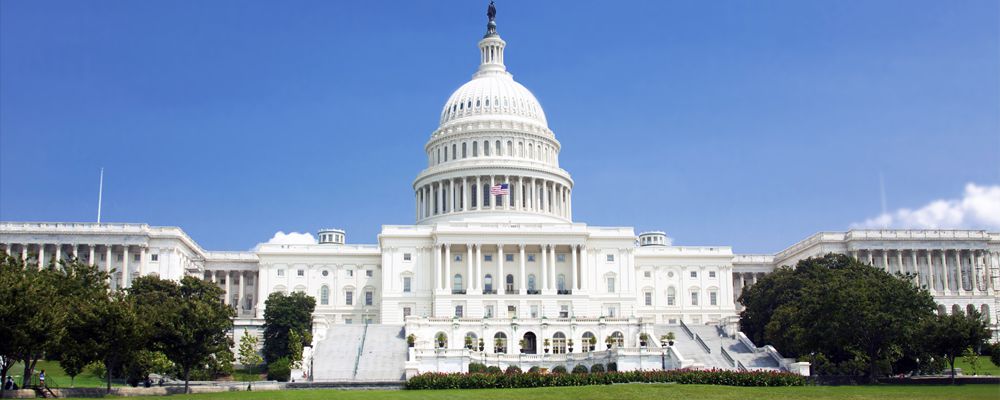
<point>493,95</point>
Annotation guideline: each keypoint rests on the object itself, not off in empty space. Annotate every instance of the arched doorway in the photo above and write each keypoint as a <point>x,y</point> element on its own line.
<point>530,344</point>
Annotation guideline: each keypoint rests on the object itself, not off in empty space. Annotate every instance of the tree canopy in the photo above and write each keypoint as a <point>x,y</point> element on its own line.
<point>949,335</point>
<point>284,314</point>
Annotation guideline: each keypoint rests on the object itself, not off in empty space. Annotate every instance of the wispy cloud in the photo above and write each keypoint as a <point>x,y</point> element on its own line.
<point>292,238</point>
<point>979,208</point>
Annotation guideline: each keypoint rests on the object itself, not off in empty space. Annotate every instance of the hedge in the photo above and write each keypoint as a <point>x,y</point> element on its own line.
<point>533,379</point>
<point>580,369</point>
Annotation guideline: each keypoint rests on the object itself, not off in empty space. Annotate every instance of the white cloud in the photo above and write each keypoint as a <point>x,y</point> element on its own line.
<point>979,208</point>
<point>292,238</point>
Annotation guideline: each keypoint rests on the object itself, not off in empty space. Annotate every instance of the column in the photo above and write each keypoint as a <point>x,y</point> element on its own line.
<point>91,259</point>
<point>585,282</point>
<point>930,270</point>
<point>899,261</point>
<point>24,253</point>
<point>479,266</point>
<point>469,260</point>
<point>41,255</point>
<point>437,264</point>
<point>944,268</point>
<point>242,290</point>
<point>447,260</point>
<point>502,287</point>
<point>573,285</point>
<point>523,283</point>
<point>545,268</point>
<point>58,254</point>
<point>569,203</point>
<point>107,259</point>
<point>229,282</point>
<point>126,282</point>
<point>552,268</point>
<point>516,197</point>
<point>416,200</point>
<point>493,199</point>
<point>871,258</point>
<point>974,262</point>
<point>958,270</point>
<point>465,194</point>
<point>545,197</point>
<point>479,194</point>
<point>885,261</point>
<point>916,267</point>
<point>142,261</point>
<point>451,195</point>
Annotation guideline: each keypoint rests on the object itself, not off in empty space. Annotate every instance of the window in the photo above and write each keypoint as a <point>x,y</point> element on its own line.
<point>534,311</point>
<point>154,257</point>
<point>711,274</point>
<point>301,272</point>
<point>486,148</point>
<point>488,313</point>
<point>713,298</point>
<point>349,299</point>
<point>671,296</point>
<point>531,282</point>
<point>457,283</point>
<point>560,258</point>
<point>564,311</point>
<point>487,257</point>
<point>611,258</point>
<point>611,284</point>
<point>647,274</point>
<point>406,312</point>
<point>694,274</point>
<point>369,297</point>
<point>406,284</point>
<point>325,272</point>
<point>531,258</point>
<point>694,298</point>
<point>510,282</point>
<point>459,311</point>
<point>369,273</point>
<point>348,321</point>
<point>250,281</point>
<point>463,150</point>
<point>137,257</point>
<point>120,257</point>
<point>488,283</point>
<point>407,257</point>
<point>475,149</point>
<point>458,257</point>
<point>324,295</point>
<point>350,272</point>
<point>281,272</point>
<point>512,311</point>
<point>612,311</point>
<point>561,282</point>
<point>508,257</point>
<point>648,298</point>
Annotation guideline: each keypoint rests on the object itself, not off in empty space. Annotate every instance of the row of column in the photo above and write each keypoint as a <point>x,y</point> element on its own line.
<point>86,252</point>
<point>954,271</point>
<point>240,302</point>
<point>474,268</point>
<point>472,193</point>
<point>742,281</point>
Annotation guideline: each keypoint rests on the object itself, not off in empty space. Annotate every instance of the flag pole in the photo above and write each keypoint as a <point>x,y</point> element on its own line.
<point>100,196</point>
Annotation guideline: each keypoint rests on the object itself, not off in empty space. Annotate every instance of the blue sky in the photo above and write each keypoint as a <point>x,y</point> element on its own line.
<point>743,123</point>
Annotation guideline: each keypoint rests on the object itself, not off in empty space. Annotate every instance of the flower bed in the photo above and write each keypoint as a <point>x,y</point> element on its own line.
<point>529,380</point>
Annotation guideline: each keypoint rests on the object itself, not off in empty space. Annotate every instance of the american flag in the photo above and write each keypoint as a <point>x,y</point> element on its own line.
<point>500,189</point>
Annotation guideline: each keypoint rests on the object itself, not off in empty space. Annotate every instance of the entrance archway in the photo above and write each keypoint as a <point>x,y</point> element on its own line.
<point>530,344</point>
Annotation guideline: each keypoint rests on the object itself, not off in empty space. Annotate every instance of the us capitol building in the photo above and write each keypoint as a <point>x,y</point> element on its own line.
<point>496,270</point>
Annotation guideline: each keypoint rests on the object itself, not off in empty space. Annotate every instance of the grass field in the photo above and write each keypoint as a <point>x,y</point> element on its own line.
<point>639,391</point>
<point>56,377</point>
<point>985,366</point>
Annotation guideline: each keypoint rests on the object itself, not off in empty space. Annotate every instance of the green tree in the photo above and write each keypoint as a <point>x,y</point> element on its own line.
<point>248,352</point>
<point>123,334</point>
<point>295,349</point>
<point>950,335</point>
<point>188,321</point>
<point>86,287</point>
<point>283,314</point>
<point>851,314</point>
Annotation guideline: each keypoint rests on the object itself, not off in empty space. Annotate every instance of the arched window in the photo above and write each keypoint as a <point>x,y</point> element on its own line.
<point>464,148</point>
<point>499,153</point>
<point>488,283</point>
<point>324,295</point>
<point>457,284</point>
<point>589,342</point>
<point>617,339</point>
<point>475,201</point>
<point>531,282</point>
<point>486,149</point>
<point>955,309</point>
<point>671,296</point>
<point>559,343</point>
<point>510,148</point>
<point>510,283</point>
<point>520,149</point>
<point>475,149</point>
<point>438,156</point>
<point>486,194</point>
<point>970,309</point>
<point>454,151</point>
<point>941,309</point>
<point>471,340</point>
<point>500,342</point>
<point>459,311</point>
<point>531,150</point>
<point>441,340</point>
<point>985,310</point>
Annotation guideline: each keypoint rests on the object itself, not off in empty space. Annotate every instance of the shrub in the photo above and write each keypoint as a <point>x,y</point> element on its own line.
<point>513,369</point>
<point>534,370</point>
<point>533,379</point>
<point>476,368</point>
<point>559,369</point>
<point>612,367</point>
<point>580,369</point>
<point>280,370</point>
<point>596,368</point>
<point>493,369</point>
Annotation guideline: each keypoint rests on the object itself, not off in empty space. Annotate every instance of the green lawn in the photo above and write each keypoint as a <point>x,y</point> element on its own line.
<point>985,366</point>
<point>639,391</point>
<point>56,377</point>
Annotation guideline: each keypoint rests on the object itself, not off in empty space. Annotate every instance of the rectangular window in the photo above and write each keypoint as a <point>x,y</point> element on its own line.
<point>458,257</point>
<point>647,274</point>
<point>560,258</point>
<point>104,257</point>
<point>612,311</point>
<point>137,258</point>
<point>350,272</point>
<point>348,321</point>
<point>406,284</point>
<point>249,281</point>
<point>369,296</point>
<point>349,300</point>
<point>611,285</point>
<point>649,298</point>
<point>301,272</point>
<point>672,321</point>
<point>120,257</point>
<point>534,311</point>
<point>713,298</point>
<point>511,311</point>
<point>611,258</point>
<point>670,299</point>
<point>711,274</point>
<point>488,313</point>
<point>694,298</point>
<point>154,257</point>
<point>531,258</point>
<point>564,311</point>
<point>407,257</point>
<point>369,273</point>
<point>508,257</point>
<point>406,312</point>
<point>487,257</point>
<point>222,280</point>
<point>281,272</point>
<point>694,274</point>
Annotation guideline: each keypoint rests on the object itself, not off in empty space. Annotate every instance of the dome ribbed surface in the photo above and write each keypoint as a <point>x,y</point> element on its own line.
<point>493,95</point>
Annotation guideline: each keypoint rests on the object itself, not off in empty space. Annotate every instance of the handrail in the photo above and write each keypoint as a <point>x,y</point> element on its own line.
<point>727,356</point>
<point>740,365</point>
<point>686,329</point>
<point>361,349</point>
<point>703,344</point>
